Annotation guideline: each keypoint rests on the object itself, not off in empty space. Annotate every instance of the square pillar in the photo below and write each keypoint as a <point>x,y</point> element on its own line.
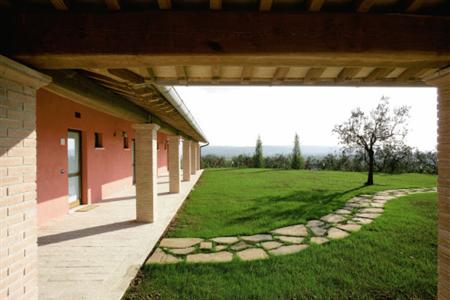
<point>174,163</point>
<point>18,166</point>
<point>193,158</point>
<point>441,80</point>
<point>186,160</point>
<point>146,166</point>
<point>198,156</point>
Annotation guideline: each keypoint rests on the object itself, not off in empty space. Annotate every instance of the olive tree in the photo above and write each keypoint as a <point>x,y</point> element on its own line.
<point>369,131</point>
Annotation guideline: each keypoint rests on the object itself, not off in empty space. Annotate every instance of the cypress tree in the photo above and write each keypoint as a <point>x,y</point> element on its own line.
<point>297,159</point>
<point>258,158</point>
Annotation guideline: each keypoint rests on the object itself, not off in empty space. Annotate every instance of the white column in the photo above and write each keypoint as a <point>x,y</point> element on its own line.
<point>146,170</point>
<point>174,163</point>
<point>186,160</point>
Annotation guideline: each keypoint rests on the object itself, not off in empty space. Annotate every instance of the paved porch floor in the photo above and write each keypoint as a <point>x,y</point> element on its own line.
<point>95,254</point>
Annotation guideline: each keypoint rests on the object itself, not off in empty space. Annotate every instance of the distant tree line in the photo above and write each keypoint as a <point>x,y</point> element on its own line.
<point>387,160</point>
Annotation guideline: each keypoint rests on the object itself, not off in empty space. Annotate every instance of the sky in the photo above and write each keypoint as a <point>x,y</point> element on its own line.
<point>235,116</point>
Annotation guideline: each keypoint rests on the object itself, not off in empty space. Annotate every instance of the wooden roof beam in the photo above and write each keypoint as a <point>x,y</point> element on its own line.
<point>265,5</point>
<point>165,4</point>
<point>60,4</point>
<point>378,74</point>
<point>113,4</point>
<point>347,74</point>
<point>313,75</point>
<point>215,4</point>
<point>151,74</point>
<point>246,75</point>
<point>182,75</point>
<point>413,6</point>
<point>280,74</point>
<point>364,6</point>
<point>410,74</point>
<point>216,73</point>
<point>315,5</point>
<point>127,39</point>
<point>126,75</point>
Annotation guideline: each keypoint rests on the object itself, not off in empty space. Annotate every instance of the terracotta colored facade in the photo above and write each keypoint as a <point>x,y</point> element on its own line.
<point>105,170</point>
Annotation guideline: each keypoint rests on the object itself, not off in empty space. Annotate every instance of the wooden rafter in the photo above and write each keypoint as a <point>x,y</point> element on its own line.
<point>347,74</point>
<point>60,4</point>
<point>410,74</point>
<point>127,75</point>
<point>113,4</point>
<point>364,6</point>
<point>215,4</point>
<point>216,73</point>
<point>265,5</point>
<point>413,6</point>
<point>151,74</point>
<point>313,75</point>
<point>182,75</point>
<point>280,74</point>
<point>246,74</point>
<point>378,74</point>
<point>315,5</point>
<point>165,4</point>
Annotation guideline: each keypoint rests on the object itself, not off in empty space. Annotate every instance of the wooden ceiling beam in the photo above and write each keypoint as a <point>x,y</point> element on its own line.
<point>182,75</point>
<point>315,5</point>
<point>60,4</point>
<point>165,4</point>
<point>409,74</point>
<point>413,6</point>
<point>113,4</point>
<point>215,4</point>
<point>216,73</point>
<point>364,6</point>
<point>347,74</point>
<point>265,5</point>
<point>151,74</point>
<point>378,74</point>
<point>313,75</point>
<point>280,74</point>
<point>127,75</point>
<point>246,74</point>
<point>124,39</point>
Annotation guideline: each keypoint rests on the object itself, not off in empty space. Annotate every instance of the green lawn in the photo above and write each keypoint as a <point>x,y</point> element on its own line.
<point>247,201</point>
<point>392,258</point>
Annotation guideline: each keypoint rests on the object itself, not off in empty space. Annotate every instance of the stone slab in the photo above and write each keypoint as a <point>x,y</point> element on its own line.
<point>343,212</point>
<point>222,256</point>
<point>372,210</point>
<point>333,218</point>
<point>288,249</point>
<point>362,220</point>
<point>367,215</point>
<point>294,230</point>
<point>160,257</point>
<point>182,251</point>
<point>271,245</point>
<point>225,240</point>
<point>315,223</point>
<point>319,240</point>
<point>319,231</point>
<point>206,245</point>
<point>240,246</point>
<point>350,227</point>
<point>290,239</point>
<point>257,238</point>
<point>336,233</point>
<point>179,242</point>
<point>252,254</point>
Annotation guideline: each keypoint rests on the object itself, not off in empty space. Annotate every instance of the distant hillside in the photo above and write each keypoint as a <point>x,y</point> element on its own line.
<point>230,151</point>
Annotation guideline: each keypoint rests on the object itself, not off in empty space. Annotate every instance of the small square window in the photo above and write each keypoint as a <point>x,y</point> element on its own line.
<point>98,140</point>
<point>125,143</point>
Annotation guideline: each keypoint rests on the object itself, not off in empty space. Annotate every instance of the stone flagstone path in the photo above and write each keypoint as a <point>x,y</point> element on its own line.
<point>358,211</point>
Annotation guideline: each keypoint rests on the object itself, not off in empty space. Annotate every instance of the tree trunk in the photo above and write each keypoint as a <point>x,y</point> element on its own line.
<point>371,164</point>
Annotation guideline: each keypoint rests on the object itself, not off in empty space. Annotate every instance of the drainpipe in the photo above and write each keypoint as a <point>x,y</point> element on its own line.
<point>172,96</point>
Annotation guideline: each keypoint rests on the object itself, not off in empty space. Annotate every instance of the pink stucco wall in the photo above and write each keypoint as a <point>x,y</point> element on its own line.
<point>105,171</point>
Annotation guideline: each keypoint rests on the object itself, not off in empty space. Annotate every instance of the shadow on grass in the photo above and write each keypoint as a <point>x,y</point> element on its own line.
<point>303,206</point>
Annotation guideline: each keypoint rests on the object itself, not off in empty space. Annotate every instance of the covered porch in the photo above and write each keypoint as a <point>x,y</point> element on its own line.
<point>94,254</point>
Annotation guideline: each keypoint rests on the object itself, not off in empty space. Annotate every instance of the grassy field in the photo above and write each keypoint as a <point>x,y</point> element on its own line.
<point>392,258</point>
<point>247,201</point>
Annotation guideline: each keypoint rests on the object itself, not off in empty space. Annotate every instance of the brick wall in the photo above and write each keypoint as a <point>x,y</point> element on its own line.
<point>18,236</point>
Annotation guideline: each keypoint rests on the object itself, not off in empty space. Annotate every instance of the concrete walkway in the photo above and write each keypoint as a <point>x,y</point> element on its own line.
<point>95,254</point>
